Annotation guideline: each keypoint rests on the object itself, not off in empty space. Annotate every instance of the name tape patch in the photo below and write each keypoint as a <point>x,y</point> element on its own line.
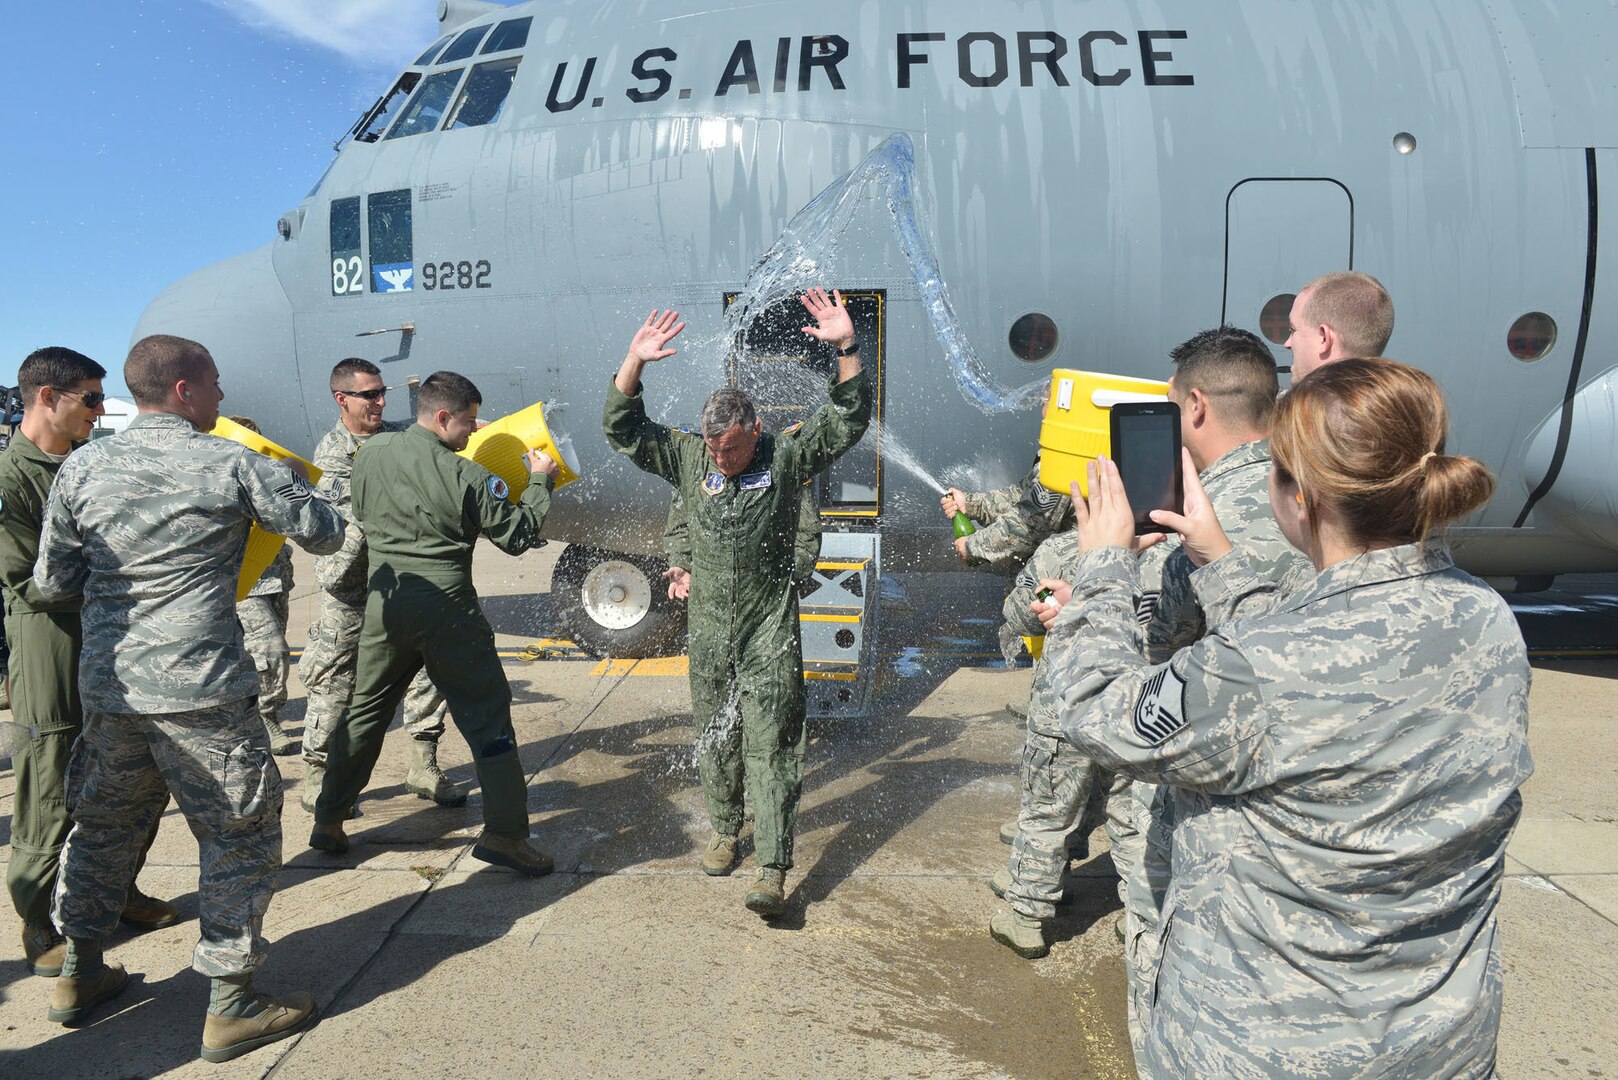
<point>1160,710</point>
<point>754,481</point>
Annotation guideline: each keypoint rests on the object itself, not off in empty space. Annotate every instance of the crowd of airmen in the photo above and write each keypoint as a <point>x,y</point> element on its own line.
<point>1303,728</point>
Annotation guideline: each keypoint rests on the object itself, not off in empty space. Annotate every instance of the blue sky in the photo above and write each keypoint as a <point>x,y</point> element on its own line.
<point>152,137</point>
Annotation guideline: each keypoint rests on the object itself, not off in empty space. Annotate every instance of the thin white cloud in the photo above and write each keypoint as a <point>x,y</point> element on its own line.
<point>371,33</point>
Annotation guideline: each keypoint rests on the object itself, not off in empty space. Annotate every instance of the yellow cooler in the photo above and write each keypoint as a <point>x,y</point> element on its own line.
<point>262,547</point>
<point>500,446</point>
<point>1077,425</point>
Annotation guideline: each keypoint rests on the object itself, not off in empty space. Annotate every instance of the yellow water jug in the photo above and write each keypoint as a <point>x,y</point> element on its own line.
<point>500,446</point>
<point>1077,425</point>
<point>262,546</point>
<point>1034,645</point>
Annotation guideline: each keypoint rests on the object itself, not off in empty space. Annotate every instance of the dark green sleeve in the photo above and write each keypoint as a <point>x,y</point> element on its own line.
<point>511,527</point>
<point>651,446</point>
<point>20,522</point>
<point>677,535</point>
<point>807,551</point>
<point>834,428</point>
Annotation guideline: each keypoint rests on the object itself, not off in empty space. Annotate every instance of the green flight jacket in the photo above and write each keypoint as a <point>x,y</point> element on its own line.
<point>677,536</point>
<point>26,474</point>
<point>423,506</point>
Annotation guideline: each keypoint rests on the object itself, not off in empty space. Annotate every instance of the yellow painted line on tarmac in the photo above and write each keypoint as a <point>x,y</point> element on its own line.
<point>664,666</point>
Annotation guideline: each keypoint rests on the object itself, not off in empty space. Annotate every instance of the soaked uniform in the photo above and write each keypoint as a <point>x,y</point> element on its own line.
<point>263,615</point>
<point>805,551</point>
<point>423,507</point>
<point>744,639</point>
<point>150,525</point>
<point>326,667</point>
<point>1345,764</point>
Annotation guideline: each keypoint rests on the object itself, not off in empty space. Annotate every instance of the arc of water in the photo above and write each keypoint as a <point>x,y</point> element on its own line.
<point>793,263</point>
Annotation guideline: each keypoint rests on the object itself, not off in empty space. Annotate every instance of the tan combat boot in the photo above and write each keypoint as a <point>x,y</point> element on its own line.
<point>720,857</point>
<point>427,780</point>
<point>329,838</point>
<point>281,744</point>
<point>227,1037</point>
<point>44,949</point>
<point>148,912</point>
<point>313,776</point>
<point>74,996</point>
<point>1019,933</point>
<point>513,853</point>
<point>1008,832</point>
<point>769,892</point>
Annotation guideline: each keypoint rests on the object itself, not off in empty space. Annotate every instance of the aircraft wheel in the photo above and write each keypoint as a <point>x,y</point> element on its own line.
<point>616,605</point>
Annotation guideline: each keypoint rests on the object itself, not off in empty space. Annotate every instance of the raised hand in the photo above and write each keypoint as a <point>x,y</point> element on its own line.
<point>832,322</point>
<point>651,341</point>
<point>1201,534</point>
<point>1105,518</point>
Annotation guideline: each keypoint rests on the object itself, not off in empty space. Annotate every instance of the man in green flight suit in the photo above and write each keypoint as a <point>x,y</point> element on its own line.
<point>741,493</point>
<point>423,507</point>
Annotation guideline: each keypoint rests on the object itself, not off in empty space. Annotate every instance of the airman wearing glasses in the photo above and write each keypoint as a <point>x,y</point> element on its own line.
<point>329,659</point>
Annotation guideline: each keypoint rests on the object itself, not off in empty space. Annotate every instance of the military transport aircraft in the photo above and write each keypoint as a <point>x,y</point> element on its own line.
<point>1000,188</point>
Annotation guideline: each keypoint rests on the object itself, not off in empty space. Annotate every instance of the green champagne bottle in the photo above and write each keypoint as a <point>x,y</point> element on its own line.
<point>963,525</point>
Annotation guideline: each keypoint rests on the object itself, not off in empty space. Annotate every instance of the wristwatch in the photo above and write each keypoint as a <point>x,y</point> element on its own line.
<point>854,347</point>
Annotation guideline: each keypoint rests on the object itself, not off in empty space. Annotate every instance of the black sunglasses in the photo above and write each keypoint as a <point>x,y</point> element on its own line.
<point>368,395</point>
<point>88,398</point>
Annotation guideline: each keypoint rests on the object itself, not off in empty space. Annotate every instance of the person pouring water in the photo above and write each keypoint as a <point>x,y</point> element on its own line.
<point>1345,749</point>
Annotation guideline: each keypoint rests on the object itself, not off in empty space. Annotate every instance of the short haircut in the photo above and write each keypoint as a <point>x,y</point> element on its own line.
<point>726,408</point>
<point>446,390</point>
<point>157,362</point>
<point>57,367</point>
<point>343,375</point>
<point>1356,306</point>
<point>247,422</point>
<point>1235,369</point>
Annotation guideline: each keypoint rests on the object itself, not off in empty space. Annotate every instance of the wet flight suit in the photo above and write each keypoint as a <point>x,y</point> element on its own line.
<point>744,609</point>
<point>423,507</point>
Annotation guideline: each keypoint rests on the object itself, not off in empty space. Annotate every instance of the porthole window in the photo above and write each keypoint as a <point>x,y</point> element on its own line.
<point>1033,337</point>
<point>1275,321</point>
<point>1531,336</point>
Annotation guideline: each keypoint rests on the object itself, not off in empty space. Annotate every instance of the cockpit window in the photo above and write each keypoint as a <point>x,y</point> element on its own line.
<point>346,278</point>
<point>392,258</point>
<point>484,94</point>
<point>511,34</point>
<point>382,113</point>
<point>465,45</point>
<point>427,107</point>
<point>427,57</point>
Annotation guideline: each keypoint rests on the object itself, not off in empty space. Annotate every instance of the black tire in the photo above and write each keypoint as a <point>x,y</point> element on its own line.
<point>582,588</point>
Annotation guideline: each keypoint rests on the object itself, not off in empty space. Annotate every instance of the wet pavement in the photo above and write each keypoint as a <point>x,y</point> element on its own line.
<point>630,962</point>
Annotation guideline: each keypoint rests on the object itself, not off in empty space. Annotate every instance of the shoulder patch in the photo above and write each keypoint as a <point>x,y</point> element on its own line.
<point>755,481</point>
<point>294,490</point>
<point>498,487</point>
<point>1160,710</point>
<point>793,429</point>
<point>1044,497</point>
<point>713,483</point>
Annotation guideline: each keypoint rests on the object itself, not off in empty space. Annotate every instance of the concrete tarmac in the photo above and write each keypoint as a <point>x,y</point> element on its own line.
<point>629,962</point>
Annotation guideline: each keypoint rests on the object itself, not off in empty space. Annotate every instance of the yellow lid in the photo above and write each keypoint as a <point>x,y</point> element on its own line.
<point>1077,425</point>
<point>262,546</point>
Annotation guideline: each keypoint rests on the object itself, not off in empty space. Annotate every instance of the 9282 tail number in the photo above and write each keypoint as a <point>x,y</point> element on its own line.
<point>450,274</point>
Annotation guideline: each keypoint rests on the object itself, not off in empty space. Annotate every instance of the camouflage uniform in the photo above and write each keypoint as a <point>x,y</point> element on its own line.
<point>327,665</point>
<point>263,616</point>
<point>744,639</point>
<point>1015,519</point>
<point>150,526</point>
<point>1344,763</point>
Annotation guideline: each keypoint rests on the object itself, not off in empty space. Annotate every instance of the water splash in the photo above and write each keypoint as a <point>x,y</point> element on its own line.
<point>797,261</point>
<point>895,452</point>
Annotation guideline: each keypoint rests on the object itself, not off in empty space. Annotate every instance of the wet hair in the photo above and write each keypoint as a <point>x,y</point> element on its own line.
<point>1234,366</point>
<point>247,422</point>
<point>344,373</point>
<point>1356,306</point>
<point>726,408</point>
<point>157,362</point>
<point>55,367</point>
<point>448,391</point>
<point>1367,437</point>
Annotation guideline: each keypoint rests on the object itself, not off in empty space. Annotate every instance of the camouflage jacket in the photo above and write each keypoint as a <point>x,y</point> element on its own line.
<point>1345,769</point>
<point>1015,519</point>
<point>345,573</point>
<point>151,525</point>
<point>277,577</point>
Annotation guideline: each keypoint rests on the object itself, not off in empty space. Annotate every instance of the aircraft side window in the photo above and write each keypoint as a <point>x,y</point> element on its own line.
<point>465,45</point>
<point>347,277</point>
<point>427,57</point>
<point>392,258</point>
<point>382,113</point>
<point>427,107</point>
<point>1275,318</point>
<point>511,34</point>
<point>484,94</point>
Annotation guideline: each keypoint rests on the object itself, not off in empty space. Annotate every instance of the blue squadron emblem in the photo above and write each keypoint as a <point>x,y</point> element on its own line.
<point>498,488</point>
<point>714,483</point>
<point>754,481</point>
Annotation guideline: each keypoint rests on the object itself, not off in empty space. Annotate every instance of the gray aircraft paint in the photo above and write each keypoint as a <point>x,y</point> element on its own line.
<point>1134,171</point>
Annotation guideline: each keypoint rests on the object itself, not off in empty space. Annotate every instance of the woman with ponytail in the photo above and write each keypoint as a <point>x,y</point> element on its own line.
<point>1345,750</point>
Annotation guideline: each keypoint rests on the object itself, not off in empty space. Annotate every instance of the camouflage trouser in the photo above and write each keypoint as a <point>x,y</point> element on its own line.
<point>327,670</point>
<point>1058,784</point>
<point>216,762</point>
<point>264,635</point>
<point>1145,889</point>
